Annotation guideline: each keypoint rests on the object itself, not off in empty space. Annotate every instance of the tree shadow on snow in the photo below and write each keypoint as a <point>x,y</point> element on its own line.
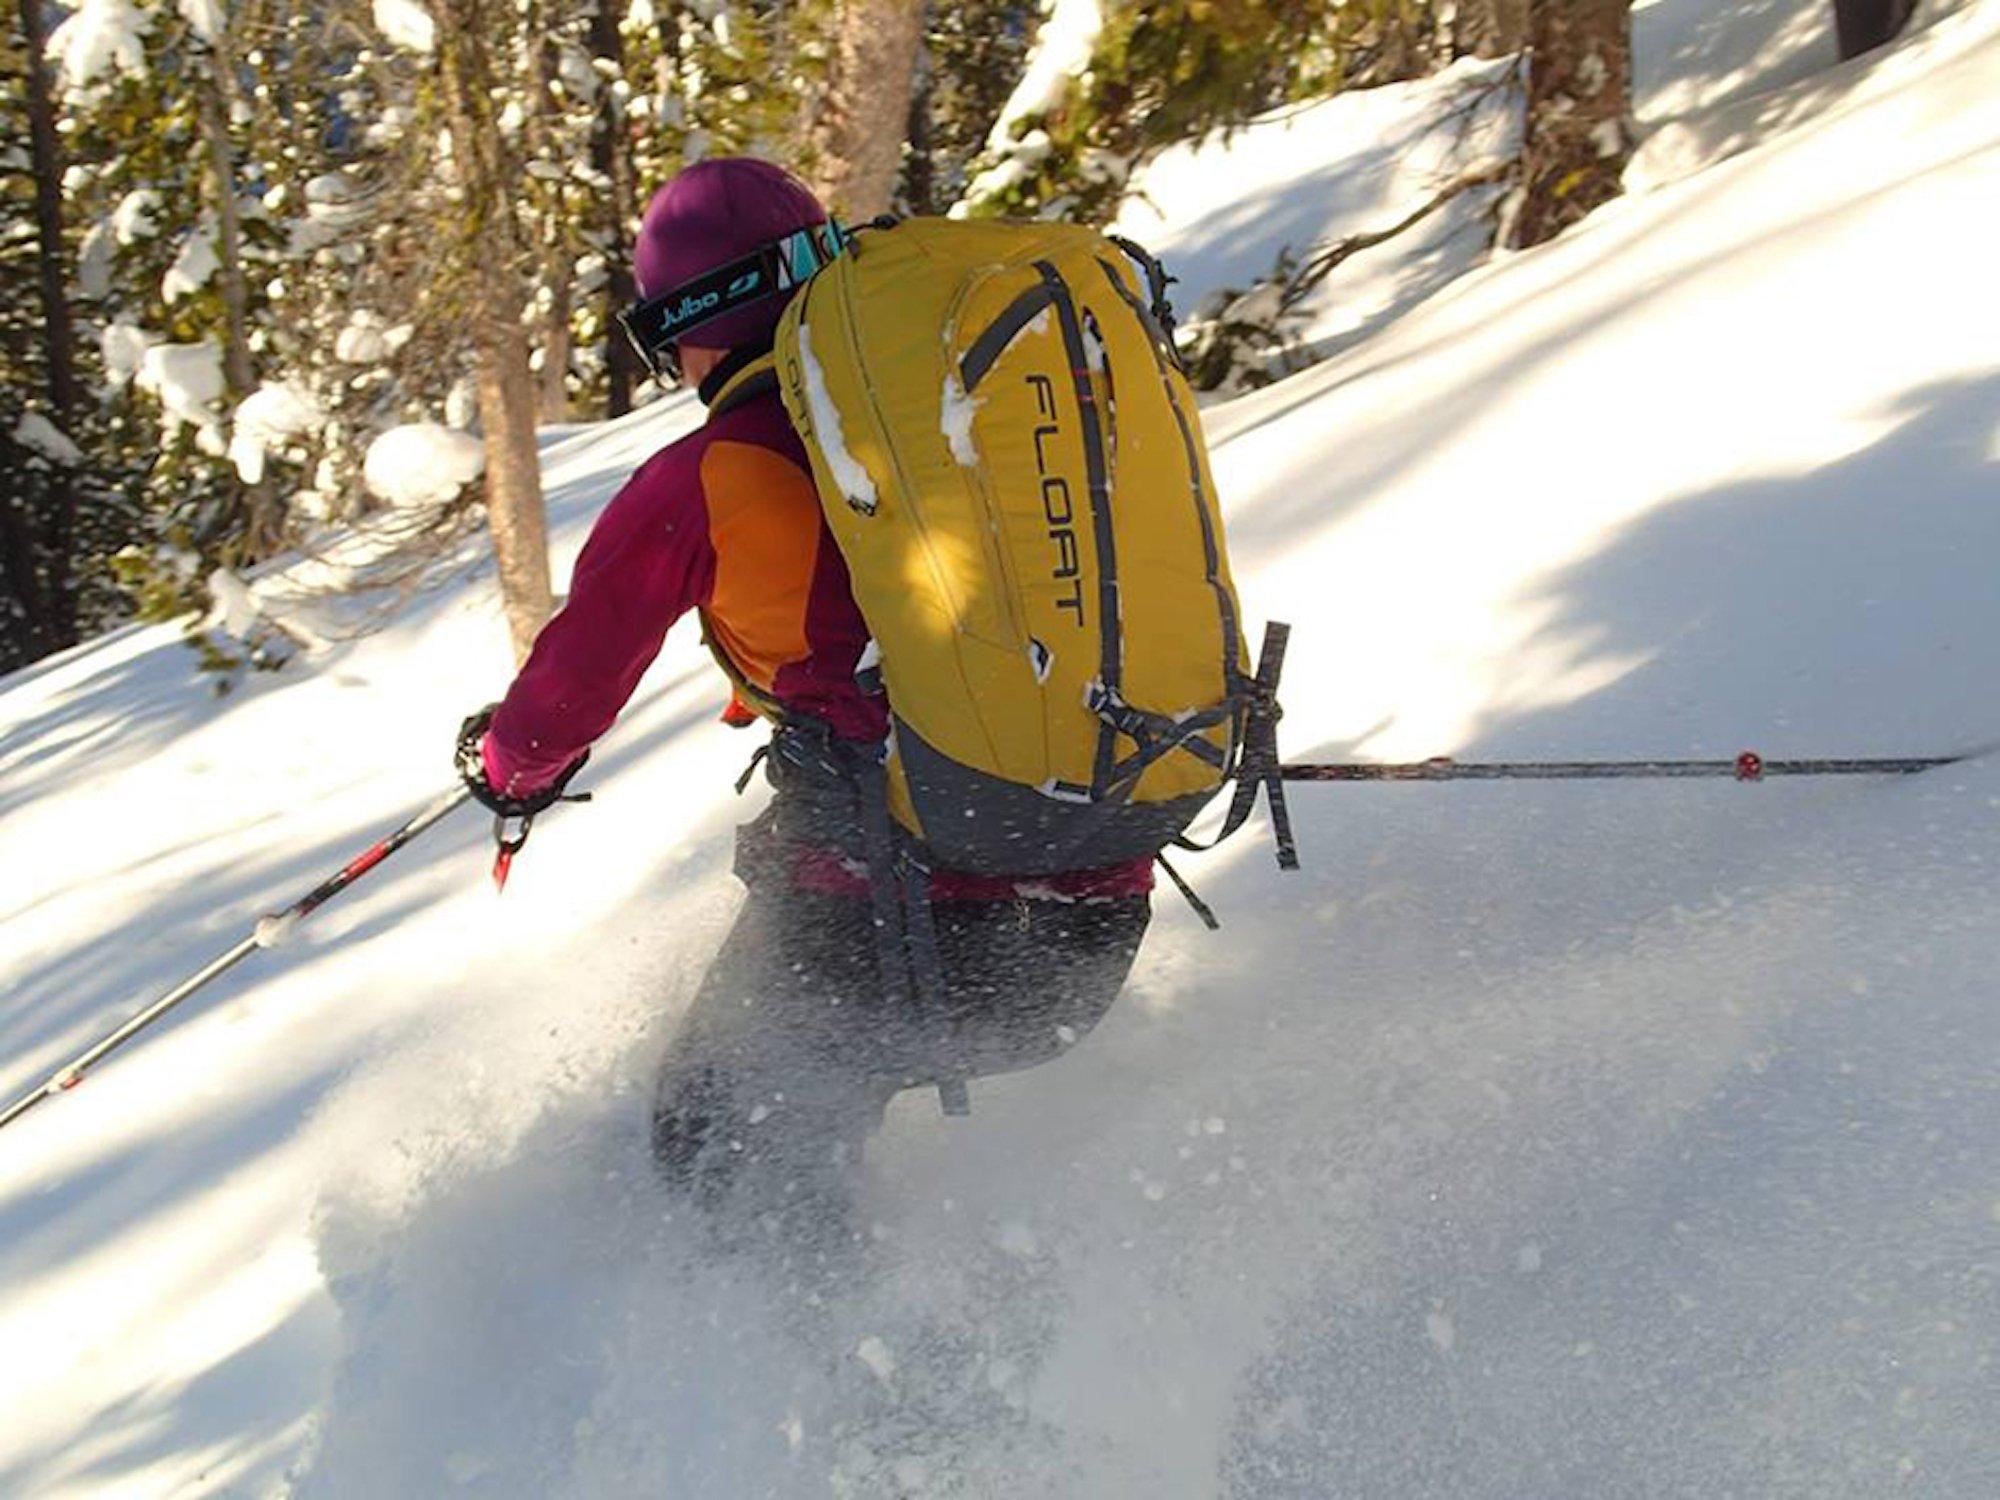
<point>1767,1249</point>
<point>120,1193</point>
<point>1702,45</point>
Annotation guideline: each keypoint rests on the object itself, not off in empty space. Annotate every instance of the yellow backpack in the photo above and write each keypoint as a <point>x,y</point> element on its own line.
<point>1012,465</point>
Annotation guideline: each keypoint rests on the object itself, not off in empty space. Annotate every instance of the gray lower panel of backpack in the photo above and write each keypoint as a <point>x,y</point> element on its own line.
<point>985,826</point>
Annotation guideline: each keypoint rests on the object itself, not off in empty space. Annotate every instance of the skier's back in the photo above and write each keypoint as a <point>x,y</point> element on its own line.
<point>797,1037</point>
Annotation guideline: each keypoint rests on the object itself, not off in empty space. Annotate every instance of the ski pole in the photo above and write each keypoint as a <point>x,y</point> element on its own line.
<point>1749,766</point>
<point>268,933</point>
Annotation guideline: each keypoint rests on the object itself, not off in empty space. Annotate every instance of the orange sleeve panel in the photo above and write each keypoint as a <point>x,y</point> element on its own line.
<point>764,524</point>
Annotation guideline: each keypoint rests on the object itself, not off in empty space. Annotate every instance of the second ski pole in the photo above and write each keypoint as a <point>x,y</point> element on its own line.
<point>1749,766</point>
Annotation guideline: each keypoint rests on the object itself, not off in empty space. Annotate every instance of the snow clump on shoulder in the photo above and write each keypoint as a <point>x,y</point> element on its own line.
<point>853,479</point>
<point>956,417</point>
<point>422,464</point>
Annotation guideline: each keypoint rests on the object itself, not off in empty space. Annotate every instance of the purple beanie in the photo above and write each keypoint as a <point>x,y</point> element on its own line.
<point>710,214</point>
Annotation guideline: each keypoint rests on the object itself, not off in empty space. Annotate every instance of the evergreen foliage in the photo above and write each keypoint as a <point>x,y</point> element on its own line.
<point>973,55</point>
<point>268,258</point>
<point>1166,70</point>
<point>57,478</point>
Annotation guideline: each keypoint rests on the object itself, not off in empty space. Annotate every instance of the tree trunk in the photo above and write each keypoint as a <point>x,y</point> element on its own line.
<point>558,261</point>
<point>1865,24</point>
<point>236,365</point>
<point>866,115</point>
<point>513,474</point>
<point>1579,97</point>
<point>263,512</point>
<point>45,576</point>
<point>553,403</point>
<point>21,567</point>
<point>1490,28</point>
<point>920,174</point>
<point>611,156</point>
<point>491,261</point>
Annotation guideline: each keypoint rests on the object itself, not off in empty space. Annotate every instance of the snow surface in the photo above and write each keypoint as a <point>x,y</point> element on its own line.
<point>1061,52</point>
<point>1536,1139</point>
<point>1744,105</point>
<point>187,379</point>
<point>264,419</point>
<point>191,269</point>
<point>234,607</point>
<point>406,24</point>
<point>422,464</point>
<point>123,346</point>
<point>1221,210</point>
<point>100,37</point>
<point>38,434</point>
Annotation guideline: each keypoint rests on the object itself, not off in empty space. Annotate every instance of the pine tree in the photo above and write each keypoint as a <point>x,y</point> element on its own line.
<point>38,508</point>
<point>170,275</point>
<point>611,217</point>
<point>1165,71</point>
<point>973,55</point>
<point>489,264</point>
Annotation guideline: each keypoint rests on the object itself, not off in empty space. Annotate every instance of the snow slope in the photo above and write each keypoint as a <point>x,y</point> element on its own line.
<point>1607,1139</point>
<point>1220,211</point>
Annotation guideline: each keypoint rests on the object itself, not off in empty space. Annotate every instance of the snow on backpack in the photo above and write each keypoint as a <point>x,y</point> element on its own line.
<point>1011,463</point>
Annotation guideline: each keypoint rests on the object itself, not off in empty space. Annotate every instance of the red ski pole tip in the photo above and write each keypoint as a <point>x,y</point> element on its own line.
<point>1749,766</point>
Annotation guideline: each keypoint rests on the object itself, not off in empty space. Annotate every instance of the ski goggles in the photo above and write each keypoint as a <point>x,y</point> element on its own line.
<point>658,324</point>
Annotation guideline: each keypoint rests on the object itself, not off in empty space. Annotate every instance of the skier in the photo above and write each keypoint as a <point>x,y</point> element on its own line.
<point>793,1045</point>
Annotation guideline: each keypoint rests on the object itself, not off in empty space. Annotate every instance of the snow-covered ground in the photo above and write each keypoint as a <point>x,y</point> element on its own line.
<point>1593,1139</point>
<point>1221,211</point>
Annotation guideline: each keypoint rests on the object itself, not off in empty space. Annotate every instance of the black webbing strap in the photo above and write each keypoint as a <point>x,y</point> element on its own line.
<point>878,844</point>
<point>1201,908</point>
<point>899,895</point>
<point>920,942</point>
<point>1260,769</point>
<point>1156,735</point>
<point>1161,313</point>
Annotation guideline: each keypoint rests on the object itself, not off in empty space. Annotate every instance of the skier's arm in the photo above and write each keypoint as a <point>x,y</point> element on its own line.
<point>648,561</point>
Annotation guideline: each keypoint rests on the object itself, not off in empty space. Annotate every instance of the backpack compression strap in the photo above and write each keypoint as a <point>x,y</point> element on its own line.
<point>1259,768</point>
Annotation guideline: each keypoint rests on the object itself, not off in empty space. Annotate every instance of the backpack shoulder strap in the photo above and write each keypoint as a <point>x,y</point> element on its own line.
<point>755,377</point>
